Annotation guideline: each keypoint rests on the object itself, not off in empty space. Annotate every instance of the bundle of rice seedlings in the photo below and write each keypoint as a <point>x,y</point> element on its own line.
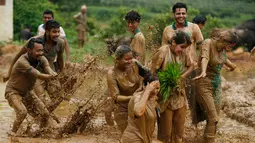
<point>169,79</point>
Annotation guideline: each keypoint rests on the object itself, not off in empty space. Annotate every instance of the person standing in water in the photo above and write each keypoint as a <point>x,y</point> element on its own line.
<point>208,82</point>
<point>19,89</point>
<point>173,110</point>
<point>142,113</point>
<point>123,80</point>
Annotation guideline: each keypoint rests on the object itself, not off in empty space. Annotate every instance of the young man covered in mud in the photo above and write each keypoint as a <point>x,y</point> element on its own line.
<point>49,15</point>
<point>53,48</point>
<point>180,14</point>
<point>81,19</point>
<point>19,90</point>
<point>138,41</point>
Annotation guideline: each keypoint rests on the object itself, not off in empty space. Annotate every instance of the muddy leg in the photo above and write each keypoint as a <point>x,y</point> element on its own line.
<point>165,126</point>
<point>179,120</point>
<point>15,101</point>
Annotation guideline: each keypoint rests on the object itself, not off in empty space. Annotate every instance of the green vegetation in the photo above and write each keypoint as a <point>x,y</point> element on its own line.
<point>169,79</point>
<point>106,17</point>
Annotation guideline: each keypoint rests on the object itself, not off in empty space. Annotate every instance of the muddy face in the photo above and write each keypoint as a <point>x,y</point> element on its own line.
<point>180,15</point>
<point>36,52</point>
<point>126,61</point>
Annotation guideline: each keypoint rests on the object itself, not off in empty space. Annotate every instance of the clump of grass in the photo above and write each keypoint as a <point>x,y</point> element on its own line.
<point>169,79</point>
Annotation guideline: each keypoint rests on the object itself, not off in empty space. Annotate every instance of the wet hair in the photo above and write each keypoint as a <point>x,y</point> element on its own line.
<point>179,5</point>
<point>49,12</point>
<point>51,24</point>
<point>216,31</point>
<point>180,37</point>
<point>133,16</point>
<point>229,36</point>
<point>198,19</point>
<point>32,41</point>
<point>122,50</point>
<point>149,77</point>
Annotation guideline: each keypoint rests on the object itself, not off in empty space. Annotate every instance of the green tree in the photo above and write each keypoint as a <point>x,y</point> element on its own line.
<point>29,12</point>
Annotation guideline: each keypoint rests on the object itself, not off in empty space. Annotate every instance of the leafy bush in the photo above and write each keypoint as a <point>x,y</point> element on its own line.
<point>29,12</point>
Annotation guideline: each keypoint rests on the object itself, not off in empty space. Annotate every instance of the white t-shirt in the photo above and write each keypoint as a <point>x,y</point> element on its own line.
<point>41,31</point>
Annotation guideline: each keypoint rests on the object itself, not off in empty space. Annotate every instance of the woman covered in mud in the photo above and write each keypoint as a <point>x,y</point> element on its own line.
<point>123,80</point>
<point>142,114</point>
<point>173,110</point>
<point>208,82</point>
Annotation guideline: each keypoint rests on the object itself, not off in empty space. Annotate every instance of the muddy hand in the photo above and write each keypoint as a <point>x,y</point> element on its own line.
<point>151,86</point>
<point>200,76</point>
<point>6,77</point>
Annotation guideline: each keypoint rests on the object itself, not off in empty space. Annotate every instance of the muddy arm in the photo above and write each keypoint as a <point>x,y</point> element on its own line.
<point>21,52</point>
<point>230,65</point>
<point>189,70</point>
<point>114,90</point>
<point>204,64</point>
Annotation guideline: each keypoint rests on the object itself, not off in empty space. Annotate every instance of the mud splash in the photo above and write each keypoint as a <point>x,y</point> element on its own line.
<point>236,124</point>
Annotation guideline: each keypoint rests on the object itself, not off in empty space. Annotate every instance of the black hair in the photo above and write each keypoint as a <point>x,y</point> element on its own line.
<point>27,26</point>
<point>180,37</point>
<point>122,50</point>
<point>32,41</point>
<point>50,24</point>
<point>49,12</point>
<point>133,16</point>
<point>198,19</point>
<point>179,5</point>
<point>149,77</point>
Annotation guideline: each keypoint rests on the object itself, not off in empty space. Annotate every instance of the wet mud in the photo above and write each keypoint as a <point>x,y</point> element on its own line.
<point>88,83</point>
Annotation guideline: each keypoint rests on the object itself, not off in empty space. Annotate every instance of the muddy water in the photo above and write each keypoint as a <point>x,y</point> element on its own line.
<point>229,130</point>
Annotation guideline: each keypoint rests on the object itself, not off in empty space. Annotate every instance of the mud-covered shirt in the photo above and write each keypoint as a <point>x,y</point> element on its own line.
<point>215,59</point>
<point>162,57</point>
<point>24,75</point>
<point>138,46</point>
<point>123,83</point>
<point>140,129</point>
<point>51,52</point>
<point>192,30</point>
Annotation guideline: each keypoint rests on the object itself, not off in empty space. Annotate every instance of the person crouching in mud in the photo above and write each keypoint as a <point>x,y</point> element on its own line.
<point>19,90</point>
<point>123,80</point>
<point>173,110</point>
<point>208,82</point>
<point>142,113</point>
